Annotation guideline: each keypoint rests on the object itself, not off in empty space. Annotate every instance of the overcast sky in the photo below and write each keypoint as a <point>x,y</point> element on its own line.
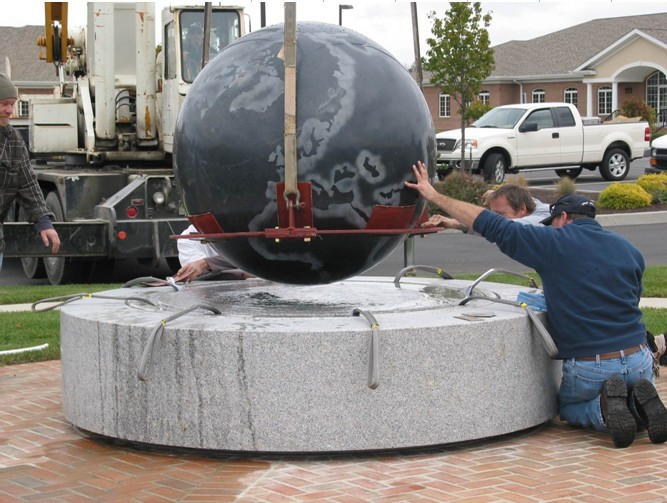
<point>388,22</point>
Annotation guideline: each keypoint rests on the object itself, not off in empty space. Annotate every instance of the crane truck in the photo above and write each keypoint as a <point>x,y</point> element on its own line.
<point>102,146</point>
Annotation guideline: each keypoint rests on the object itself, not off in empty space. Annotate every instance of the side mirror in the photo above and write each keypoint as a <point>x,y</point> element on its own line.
<point>528,127</point>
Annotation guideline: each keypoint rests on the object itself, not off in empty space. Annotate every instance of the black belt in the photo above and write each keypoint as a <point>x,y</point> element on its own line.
<point>612,355</point>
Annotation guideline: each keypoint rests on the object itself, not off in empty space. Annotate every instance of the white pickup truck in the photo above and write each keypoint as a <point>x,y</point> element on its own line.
<point>540,136</point>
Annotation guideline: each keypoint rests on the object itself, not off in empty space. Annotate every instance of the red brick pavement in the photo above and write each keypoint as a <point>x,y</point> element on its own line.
<point>42,458</point>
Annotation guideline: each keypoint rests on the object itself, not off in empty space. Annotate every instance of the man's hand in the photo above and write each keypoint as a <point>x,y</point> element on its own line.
<point>50,237</point>
<point>191,270</point>
<point>423,185</point>
<point>442,221</point>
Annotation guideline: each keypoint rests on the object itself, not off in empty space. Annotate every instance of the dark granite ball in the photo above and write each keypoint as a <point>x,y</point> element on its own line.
<point>362,122</point>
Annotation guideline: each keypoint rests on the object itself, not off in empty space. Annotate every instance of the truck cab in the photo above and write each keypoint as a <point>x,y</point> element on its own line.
<point>182,54</point>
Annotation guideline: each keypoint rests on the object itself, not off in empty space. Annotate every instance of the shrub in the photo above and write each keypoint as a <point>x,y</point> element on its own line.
<point>634,107</point>
<point>462,187</point>
<point>623,196</point>
<point>655,184</point>
<point>566,186</point>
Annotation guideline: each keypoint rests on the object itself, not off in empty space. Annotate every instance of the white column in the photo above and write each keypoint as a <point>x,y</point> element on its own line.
<point>614,96</point>
<point>589,100</point>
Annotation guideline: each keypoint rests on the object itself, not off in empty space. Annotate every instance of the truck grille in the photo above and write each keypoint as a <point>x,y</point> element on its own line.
<point>446,145</point>
<point>660,158</point>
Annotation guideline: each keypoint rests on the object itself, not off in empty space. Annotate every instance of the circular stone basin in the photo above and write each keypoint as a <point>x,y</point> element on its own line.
<point>289,368</point>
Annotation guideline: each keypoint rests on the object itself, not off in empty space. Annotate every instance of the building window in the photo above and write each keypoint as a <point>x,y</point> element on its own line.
<point>538,96</point>
<point>571,96</point>
<point>484,97</point>
<point>604,100</point>
<point>656,95</point>
<point>445,105</point>
<point>23,108</point>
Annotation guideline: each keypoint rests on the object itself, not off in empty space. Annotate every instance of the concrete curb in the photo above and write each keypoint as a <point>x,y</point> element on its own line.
<point>642,218</point>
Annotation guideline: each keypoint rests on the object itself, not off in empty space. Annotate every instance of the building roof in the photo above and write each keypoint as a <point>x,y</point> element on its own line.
<point>19,45</point>
<point>563,51</point>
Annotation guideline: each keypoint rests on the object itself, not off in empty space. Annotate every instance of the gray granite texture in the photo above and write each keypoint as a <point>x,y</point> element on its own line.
<point>286,368</point>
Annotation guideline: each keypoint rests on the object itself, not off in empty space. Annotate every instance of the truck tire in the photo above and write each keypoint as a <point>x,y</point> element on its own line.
<point>61,270</point>
<point>33,267</point>
<point>615,165</point>
<point>494,169</point>
<point>571,173</point>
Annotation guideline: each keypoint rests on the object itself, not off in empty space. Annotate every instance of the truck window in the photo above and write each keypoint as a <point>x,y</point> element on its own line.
<point>503,118</point>
<point>542,118</point>
<point>169,52</point>
<point>225,28</point>
<point>564,117</point>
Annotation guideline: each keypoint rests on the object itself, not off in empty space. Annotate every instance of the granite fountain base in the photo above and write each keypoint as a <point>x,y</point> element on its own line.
<point>357,365</point>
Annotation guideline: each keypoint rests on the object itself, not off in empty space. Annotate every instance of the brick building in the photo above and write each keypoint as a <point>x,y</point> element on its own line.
<point>19,60</point>
<point>595,65</point>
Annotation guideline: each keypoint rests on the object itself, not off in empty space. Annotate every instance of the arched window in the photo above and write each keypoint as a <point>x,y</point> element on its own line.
<point>445,105</point>
<point>538,96</point>
<point>656,95</point>
<point>604,100</point>
<point>570,96</point>
<point>484,97</point>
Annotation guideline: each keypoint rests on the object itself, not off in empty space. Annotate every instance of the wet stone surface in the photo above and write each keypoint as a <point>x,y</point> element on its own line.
<point>265,298</point>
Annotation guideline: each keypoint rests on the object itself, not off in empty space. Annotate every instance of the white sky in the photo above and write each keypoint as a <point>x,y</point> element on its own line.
<point>388,22</point>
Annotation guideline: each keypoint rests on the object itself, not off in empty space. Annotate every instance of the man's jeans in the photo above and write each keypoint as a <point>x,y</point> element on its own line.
<point>583,381</point>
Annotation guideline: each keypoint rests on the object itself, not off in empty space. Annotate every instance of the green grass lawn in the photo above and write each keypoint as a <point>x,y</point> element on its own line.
<point>24,329</point>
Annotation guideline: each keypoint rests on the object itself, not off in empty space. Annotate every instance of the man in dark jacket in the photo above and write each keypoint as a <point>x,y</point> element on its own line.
<point>592,282</point>
<point>17,178</point>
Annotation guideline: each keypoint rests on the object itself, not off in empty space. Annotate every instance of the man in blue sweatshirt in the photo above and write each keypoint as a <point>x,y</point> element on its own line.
<point>592,281</point>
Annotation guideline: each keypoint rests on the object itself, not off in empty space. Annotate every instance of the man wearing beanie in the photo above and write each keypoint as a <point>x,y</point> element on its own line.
<point>592,281</point>
<point>17,178</point>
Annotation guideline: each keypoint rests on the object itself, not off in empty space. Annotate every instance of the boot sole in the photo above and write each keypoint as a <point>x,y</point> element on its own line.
<point>620,421</point>
<point>653,411</point>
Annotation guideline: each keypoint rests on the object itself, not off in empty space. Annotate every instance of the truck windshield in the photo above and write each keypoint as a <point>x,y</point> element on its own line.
<point>502,118</point>
<point>225,28</point>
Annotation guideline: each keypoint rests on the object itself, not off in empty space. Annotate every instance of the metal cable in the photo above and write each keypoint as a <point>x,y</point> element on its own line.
<point>66,299</point>
<point>427,268</point>
<point>149,354</point>
<point>373,380</point>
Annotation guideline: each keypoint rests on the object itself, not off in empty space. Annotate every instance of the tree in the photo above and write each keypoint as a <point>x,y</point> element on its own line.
<point>460,57</point>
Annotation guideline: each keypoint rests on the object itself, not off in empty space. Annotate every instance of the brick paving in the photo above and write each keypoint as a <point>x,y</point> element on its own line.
<point>43,458</point>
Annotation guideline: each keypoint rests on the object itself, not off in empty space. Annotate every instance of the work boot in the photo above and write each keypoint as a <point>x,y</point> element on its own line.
<point>618,419</point>
<point>651,410</point>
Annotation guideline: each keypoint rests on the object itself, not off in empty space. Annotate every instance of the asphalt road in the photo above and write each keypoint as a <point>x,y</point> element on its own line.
<point>451,251</point>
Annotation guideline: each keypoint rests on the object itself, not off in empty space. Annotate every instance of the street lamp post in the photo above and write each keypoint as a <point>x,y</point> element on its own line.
<point>340,12</point>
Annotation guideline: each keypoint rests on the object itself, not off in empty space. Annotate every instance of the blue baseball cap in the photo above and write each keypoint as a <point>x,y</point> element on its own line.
<point>572,203</point>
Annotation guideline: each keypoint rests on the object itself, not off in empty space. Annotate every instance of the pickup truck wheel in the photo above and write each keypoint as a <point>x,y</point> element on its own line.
<point>61,270</point>
<point>33,267</point>
<point>571,173</point>
<point>615,165</point>
<point>494,169</point>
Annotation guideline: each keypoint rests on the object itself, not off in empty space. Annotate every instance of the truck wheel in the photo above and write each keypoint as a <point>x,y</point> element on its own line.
<point>60,270</point>
<point>33,267</point>
<point>494,169</point>
<point>615,165</point>
<point>571,173</point>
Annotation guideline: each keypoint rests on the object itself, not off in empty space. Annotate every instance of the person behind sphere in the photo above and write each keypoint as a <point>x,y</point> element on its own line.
<point>510,200</point>
<point>202,261</point>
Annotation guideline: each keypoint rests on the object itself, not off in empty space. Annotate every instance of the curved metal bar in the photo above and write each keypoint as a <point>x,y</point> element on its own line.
<point>66,299</point>
<point>150,279</point>
<point>435,270</point>
<point>547,340</point>
<point>488,273</point>
<point>149,354</point>
<point>373,380</point>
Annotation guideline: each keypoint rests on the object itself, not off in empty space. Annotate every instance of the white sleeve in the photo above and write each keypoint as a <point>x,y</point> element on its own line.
<point>191,249</point>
